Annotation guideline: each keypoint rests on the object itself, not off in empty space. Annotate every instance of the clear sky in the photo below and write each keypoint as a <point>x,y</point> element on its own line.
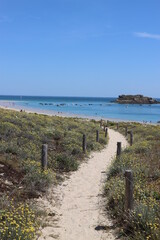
<point>80,47</point>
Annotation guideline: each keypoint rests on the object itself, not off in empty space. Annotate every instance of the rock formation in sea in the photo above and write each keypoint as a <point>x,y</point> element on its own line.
<point>136,99</point>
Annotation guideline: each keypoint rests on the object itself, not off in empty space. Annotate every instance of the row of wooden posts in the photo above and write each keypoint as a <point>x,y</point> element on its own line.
<point>126,134</point>
<point>129,182</point>
<point>128,173</point>
<point>126,131</point>
<point>84,143</point>
<point>84,148</point>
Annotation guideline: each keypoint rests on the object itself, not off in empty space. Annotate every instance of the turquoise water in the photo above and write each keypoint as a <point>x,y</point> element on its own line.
<point>93,107</point>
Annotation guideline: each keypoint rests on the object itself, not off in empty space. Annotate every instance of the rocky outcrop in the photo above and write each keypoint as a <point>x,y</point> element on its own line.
<point>135,99</point>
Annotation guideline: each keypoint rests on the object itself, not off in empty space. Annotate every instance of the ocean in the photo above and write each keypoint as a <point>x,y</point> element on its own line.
<point>85,107</point>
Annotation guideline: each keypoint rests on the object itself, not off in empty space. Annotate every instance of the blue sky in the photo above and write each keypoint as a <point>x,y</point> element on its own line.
<point>80,47</point>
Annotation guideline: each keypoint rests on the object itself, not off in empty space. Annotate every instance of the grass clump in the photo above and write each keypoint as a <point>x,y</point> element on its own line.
<point>143,159</point>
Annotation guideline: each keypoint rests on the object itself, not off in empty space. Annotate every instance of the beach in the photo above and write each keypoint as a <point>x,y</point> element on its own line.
<point>83,109</point>
<point>12,106</point>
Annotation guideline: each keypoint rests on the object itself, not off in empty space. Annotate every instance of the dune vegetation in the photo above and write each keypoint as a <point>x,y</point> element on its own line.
<point>21,176</point>
<point>143,158</point>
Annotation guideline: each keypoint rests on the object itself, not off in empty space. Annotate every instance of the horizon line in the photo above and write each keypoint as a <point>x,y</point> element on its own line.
<point>18,95</point>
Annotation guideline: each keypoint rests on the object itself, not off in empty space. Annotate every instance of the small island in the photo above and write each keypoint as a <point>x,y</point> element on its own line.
<point>135,99</point>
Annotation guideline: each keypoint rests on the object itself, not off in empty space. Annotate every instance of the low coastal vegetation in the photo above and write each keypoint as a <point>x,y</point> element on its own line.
<point>143,158</point>
<point>21,176</point>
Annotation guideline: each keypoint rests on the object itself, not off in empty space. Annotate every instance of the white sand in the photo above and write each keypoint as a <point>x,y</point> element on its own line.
<point>79,205</point>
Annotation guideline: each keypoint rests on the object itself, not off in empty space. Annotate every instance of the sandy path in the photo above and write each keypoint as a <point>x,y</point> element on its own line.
<point>80,207</point>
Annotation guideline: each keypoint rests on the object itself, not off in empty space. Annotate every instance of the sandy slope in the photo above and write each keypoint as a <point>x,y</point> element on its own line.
<point>79,206</point>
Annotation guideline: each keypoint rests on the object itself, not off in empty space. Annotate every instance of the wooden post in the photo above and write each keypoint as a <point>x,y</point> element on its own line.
<point>107,123</point>
<point>117,126</point>
<point>97,136</point>
<point>101,123</point>
<point>129,190</point>
<point>131,138</point>
<point>84,146</point>
<point>119,148</point>
<point>44,156</point>
<point>126,131</point>
<point>106,132</point>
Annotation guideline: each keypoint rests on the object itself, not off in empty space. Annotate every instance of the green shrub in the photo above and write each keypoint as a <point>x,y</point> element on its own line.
<point>66,163</point>
<point>35,178</point>
<point>17,221</point>
<point>143,158</point>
